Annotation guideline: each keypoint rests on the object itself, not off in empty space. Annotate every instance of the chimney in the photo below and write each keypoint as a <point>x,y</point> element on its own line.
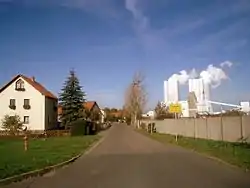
<point>33,78</point>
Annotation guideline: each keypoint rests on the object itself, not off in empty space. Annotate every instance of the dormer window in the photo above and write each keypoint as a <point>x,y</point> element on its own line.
<point>20,85</point>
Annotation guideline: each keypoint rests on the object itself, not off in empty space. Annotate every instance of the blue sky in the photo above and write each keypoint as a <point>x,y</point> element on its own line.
<point>107,41</point>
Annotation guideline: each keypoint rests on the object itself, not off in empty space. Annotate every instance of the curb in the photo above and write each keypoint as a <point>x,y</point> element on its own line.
<point>94,145</point>
<point>38,172</point>
<point>45,170</point>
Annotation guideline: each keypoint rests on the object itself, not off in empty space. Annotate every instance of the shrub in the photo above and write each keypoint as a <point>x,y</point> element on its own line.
<point>128,120</point>
<point>78,128</point>
<point>143,125</point>
<point>12,124</point>
<point>94,128</point>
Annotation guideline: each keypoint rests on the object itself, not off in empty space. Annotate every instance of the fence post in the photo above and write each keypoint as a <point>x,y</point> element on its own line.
<point>176,135</point>
<point>221,125</point>
<point>241,128</point>
<point>195,128</point>
<point>207,129</point>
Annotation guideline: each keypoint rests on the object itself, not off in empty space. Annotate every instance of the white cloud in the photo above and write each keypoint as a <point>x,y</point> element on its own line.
<point>141,21</point>
<point>193,73</point>
<point>212,75</point>
<point>226,63</point>
<point>182,77</point>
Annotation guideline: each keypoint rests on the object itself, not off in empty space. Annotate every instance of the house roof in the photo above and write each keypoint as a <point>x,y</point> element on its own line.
<point>118,113</point>
<point>89,105</point>
<point>33,83</point>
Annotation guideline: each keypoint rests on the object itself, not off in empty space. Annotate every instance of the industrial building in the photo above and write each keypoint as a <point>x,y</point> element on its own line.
<point>171,91</point>
<point>202,93</point>
<point>198,99</point>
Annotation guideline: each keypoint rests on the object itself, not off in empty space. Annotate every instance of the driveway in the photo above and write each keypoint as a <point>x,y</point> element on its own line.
<point>127,159</point>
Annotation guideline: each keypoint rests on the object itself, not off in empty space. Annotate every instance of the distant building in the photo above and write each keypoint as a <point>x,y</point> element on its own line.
<point>184,108</point>
<point>171,91</point>
<point>91,106</point>
<point>103,115</point>
<point>150,114</point>
<point>202,93</point>
<point>25,97</point>
<point>245,106</point>
<point>192,104</point>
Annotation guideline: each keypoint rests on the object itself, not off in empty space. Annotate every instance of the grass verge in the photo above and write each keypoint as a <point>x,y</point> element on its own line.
<point>237,154</point>
<point>41,153</point>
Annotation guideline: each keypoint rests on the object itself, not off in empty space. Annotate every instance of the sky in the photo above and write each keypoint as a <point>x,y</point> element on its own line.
<point>107,41</point>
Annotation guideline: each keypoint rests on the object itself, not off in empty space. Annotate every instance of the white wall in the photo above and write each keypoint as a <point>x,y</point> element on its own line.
<point>173,90</point>
<point>165,91</point>
<point>185,108</point>
<point>35,113</point>
<point>103,115</point>
<point>197,86</point>
<point>230,129</point>
<point>202,93</point>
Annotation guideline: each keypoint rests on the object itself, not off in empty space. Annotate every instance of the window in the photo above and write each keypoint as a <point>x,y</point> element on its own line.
<point>12,104</point>
<point>26,104</point>
<point>20,85</point>
<point>26,119</point>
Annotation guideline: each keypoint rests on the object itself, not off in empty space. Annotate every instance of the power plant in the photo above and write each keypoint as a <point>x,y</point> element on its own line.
<point>198,99</point>
<point>171,91</point>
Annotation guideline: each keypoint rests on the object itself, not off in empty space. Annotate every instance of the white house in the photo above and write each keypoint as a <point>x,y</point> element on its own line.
<point>27,98</point>
<point>150,114</point>
<point>103,115</point>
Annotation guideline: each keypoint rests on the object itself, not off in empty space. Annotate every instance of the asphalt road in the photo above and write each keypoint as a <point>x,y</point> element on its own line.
<point>127,159</point>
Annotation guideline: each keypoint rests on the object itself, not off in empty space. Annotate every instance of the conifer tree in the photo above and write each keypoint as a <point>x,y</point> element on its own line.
<point>71,100</point>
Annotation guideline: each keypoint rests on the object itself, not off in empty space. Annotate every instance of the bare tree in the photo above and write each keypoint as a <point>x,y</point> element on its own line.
<point>135,98</point>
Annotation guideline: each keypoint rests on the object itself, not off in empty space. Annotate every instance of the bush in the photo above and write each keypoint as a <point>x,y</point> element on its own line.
<point>12,124</point>
<point>78,128</point>
<point>128,121</point>
<point>143,125</point>
<point>94,128</point>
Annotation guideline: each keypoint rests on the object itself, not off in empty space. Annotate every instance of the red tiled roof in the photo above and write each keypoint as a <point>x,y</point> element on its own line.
<point>35,84</point>
<point>89,105</point>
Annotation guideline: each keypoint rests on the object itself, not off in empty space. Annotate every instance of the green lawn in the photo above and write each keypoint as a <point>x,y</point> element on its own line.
<point>233,153</point>
<point>41,153</point>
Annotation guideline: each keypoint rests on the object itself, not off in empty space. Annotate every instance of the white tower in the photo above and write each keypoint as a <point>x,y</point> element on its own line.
<point>165,92</point>
<point>202,92</point>
<point>171,91</point>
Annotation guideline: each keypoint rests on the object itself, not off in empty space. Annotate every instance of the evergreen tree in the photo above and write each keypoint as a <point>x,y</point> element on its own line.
<point>71,100</point>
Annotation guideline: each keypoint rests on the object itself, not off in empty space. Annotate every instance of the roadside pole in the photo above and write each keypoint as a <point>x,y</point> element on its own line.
<point>175,109</point>
<point>176,135</point>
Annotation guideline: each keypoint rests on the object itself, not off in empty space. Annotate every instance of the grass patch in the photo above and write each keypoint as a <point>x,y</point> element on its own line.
<point>41,153</point>
<point>234,153</point>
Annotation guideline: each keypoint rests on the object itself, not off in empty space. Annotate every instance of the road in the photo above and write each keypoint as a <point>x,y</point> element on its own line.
<point>127,159</point>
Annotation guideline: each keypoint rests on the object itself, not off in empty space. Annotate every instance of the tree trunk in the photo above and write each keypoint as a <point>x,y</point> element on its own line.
<point>135,121</point>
